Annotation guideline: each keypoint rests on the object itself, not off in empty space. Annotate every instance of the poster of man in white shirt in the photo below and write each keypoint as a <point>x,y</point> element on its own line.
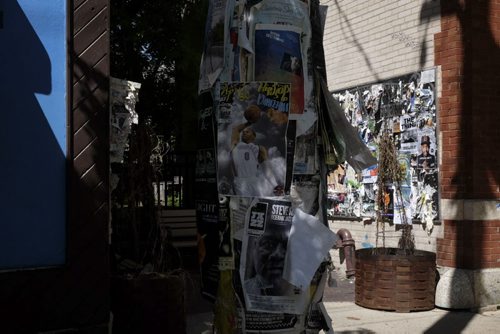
<point>252,129</point>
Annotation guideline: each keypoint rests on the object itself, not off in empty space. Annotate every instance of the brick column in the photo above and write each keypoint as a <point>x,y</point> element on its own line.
<point>468,53</point>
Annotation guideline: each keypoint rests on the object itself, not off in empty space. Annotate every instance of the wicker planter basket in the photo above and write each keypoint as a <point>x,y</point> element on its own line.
<point>389,281</point>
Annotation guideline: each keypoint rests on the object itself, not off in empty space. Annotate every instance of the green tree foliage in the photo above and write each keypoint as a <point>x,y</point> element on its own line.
<point>159,43</point>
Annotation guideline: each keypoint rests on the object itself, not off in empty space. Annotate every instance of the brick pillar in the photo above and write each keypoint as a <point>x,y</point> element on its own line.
<point>468,53</point>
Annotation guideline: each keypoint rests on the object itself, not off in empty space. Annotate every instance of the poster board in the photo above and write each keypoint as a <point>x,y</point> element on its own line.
<point>405,107</point>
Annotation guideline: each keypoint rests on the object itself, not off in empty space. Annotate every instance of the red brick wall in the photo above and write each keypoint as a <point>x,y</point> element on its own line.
<point>467,48</point>
<point>469,244</point>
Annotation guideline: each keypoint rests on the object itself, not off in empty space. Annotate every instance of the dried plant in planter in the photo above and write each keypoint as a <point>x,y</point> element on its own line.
<point>141,244</point>
<point>397,279</point>
<point>390,175</point>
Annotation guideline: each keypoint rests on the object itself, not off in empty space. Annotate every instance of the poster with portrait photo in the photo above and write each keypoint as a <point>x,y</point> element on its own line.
<point>263,255</point>
<point>426,157</point>
<point>427,169</point>
<point>252,139</point>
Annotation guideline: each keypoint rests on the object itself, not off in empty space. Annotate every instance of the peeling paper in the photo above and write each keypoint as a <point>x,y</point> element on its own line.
<point>124,96</point>
<point>328,320</point>
<point>308,245</point>
<point>243,41</point>
<point>428,76</point>
<point>307,120</point>
<point>357,153</point>
<point>212,61</point>
<point>427,214</point>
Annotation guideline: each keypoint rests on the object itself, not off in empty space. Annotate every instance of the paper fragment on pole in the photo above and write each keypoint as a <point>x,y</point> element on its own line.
<point>307,120</point>
<point>308,245</point>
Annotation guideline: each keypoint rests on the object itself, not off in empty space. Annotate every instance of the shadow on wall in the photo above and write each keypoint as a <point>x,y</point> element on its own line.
<point>474,78</point>
<point>32,163</point>
<point>477,73</point>
<point>426,15</point>
<point>350,35</point>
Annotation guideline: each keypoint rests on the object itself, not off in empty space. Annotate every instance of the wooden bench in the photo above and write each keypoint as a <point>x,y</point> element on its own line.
<point>181,226</point>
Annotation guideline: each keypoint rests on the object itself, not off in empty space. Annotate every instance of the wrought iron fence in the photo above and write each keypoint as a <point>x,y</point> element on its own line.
<point>176,186</point>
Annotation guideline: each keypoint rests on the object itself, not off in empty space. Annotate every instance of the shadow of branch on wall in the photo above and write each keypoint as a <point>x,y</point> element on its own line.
<point>475,82</point>
<point>351,36</point>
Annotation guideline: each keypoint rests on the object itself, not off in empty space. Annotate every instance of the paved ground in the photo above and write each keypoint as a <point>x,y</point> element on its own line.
<point>348,318</point>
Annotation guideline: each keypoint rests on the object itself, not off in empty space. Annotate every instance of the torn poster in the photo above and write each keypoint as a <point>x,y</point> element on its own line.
<point>216,32</point>
<point>356,153</point>
<point>404,107</point>
<point>267,147</point>
<point>308,245</point>
<point>123,97</point>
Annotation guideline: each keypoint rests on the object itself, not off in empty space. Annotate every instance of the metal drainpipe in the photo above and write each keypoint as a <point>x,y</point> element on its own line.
<point>349,247</point>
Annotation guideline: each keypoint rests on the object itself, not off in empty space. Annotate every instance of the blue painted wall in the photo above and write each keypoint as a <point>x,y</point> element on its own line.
<point>33,118</point>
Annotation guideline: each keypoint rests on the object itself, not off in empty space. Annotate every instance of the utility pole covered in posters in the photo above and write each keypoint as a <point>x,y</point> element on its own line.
<point>265,141</point>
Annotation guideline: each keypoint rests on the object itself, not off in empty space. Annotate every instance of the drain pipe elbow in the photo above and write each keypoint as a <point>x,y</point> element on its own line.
<point>349,251</point>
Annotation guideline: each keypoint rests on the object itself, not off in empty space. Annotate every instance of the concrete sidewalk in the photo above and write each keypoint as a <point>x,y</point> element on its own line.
<point>348,318</point>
